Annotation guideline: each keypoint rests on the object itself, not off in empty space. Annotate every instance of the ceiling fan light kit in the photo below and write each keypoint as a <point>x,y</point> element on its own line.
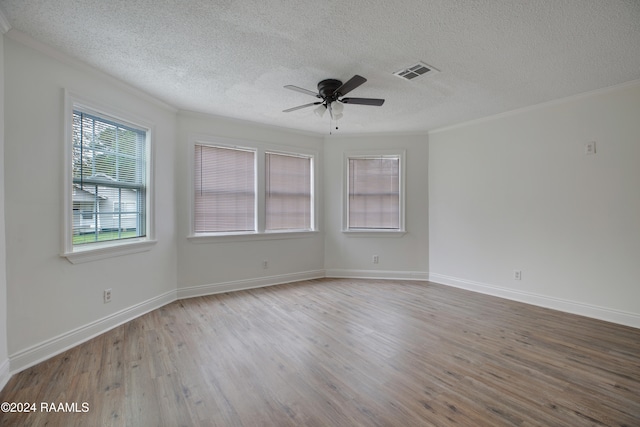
<point>331,91</point>
<point>335,109</point>
<point>319,110</point>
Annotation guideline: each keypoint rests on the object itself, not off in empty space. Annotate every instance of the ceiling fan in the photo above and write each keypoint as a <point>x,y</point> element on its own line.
<point>331,92</point>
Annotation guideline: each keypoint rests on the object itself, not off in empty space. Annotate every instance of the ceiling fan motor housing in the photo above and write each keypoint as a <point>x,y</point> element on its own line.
<point>327,88</point>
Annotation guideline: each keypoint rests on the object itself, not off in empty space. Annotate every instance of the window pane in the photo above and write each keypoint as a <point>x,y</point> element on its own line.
<point>224,189</point>
<point>374,193</point>
<point>288,192</point>
<point>109,162</point>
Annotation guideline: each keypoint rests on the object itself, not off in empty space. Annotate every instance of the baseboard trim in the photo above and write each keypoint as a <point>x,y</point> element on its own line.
<point>40,352</point>
<point>239,285</point>
<point>582,309</point>
<point>5,373</point>
<point>56,345</point>
<point>377,274</point>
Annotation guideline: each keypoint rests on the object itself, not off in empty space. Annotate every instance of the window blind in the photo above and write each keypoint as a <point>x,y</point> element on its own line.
<point>224,189</point>
<point>288,197</point>
<point>374,193</point>
<point>109,172</point>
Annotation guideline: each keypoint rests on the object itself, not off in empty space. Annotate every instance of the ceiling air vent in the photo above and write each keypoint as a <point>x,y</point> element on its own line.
<point>417,70</point>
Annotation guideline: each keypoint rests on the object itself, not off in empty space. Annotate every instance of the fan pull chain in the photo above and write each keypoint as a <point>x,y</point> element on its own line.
<point>331,126</point>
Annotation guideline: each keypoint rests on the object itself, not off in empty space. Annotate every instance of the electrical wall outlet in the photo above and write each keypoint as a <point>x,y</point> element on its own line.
<point>107,295</point>
<point>265,264</point>
<point>590,148</point>
<point>517,275</point>
<point>375,259</point>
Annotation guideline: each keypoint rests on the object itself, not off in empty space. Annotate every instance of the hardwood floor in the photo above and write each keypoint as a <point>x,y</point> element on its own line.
<point>343,352</point>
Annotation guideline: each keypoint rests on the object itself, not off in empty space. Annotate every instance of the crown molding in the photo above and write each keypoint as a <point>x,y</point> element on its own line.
<point>244,122</point>
<point>62,57</point>
<point>554,102</point>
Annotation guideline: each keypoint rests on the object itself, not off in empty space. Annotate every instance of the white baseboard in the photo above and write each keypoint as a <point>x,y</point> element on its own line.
<point>588,310</point>
<point>5,373</point>
<point>49,348</point>
<point>377,274</point>
<point>56,345</point>
<point>238,285</point>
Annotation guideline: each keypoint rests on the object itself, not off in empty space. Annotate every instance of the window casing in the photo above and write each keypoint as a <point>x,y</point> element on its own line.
<point>281,202</point>
<point>374,191</point>
<point>107,184</point>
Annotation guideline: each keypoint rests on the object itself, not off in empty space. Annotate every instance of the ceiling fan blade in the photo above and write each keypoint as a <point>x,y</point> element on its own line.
<point>350,85</point>
<point>299,89</point>
<point>301,106</point>
<point>363,101</point>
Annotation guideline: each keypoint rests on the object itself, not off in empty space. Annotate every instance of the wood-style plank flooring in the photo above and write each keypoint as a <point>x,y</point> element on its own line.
<point>343,353</point>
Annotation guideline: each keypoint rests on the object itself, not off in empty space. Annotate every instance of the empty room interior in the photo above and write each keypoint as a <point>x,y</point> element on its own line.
<point>289,213</point>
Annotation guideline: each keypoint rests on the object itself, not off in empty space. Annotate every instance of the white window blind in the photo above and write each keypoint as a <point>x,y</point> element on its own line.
<point>288,197</point>
<point>374,193</point>
<point>109,172</point>
<point>224,189</point>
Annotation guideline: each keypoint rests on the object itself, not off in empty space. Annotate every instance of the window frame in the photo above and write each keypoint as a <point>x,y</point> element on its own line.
<point>260,148</point>
<point>375,154</point>
<point>110,248</point>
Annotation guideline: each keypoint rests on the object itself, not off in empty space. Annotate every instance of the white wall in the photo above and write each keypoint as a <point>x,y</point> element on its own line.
<point>54,303</point>
<point>399,257</point>
<point>234,264</point>
<point>518,192</point>
<point>4,355</point>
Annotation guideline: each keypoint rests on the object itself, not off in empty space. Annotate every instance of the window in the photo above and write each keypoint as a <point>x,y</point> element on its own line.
<point>224,189</point>
<point>250,190</point>
<point>288,192</point>
<point>107,194</point>
<point>109,161</point>
<point>374,192</point>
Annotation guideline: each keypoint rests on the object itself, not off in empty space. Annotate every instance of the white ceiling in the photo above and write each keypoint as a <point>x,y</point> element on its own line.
<point>232,57</point>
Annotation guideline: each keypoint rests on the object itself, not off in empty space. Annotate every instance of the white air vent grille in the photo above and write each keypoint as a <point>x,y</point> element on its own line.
<point>417,70</point>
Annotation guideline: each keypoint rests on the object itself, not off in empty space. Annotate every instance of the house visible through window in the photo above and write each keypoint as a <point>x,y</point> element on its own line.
<point>124,210</point>
<point>374,199</point>
<point>109,179</point>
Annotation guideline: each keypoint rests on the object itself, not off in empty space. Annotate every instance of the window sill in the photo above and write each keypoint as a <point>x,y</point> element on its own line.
<point>374,233</point>
<point>99,251</point>
<point>242,237</point>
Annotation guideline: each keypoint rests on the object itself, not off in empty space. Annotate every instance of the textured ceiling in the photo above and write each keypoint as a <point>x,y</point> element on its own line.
<point>232,57</point>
